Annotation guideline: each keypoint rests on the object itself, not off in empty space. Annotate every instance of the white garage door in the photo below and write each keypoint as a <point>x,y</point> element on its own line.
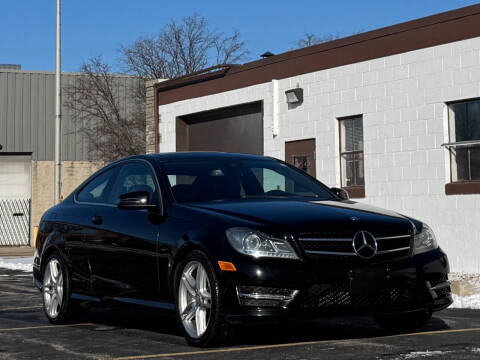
<point>15,199</point>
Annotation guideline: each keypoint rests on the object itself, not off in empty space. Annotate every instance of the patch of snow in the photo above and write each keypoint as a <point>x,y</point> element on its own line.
<point>422,354</point>
<point>466,302</point>
<point>15,275</point>
<point>22,264</point>
<point>472,279</point>
<point>471,282</point>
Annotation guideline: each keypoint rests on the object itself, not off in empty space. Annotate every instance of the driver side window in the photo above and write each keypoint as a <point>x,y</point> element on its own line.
<point>134,177</point>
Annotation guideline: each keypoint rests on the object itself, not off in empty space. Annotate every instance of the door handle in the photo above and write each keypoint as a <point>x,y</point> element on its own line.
<point>97,219</point>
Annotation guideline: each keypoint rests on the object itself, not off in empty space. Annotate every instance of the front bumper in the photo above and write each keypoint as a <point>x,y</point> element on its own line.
<point>410,284</point>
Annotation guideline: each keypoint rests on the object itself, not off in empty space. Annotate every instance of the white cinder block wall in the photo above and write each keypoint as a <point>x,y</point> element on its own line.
<point>402,99</point>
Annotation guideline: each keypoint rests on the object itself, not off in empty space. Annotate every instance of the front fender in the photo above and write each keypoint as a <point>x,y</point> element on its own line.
<point>47,243</point>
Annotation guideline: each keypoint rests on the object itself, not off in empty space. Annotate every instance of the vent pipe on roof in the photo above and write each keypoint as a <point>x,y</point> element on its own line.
<point>10,66</point>
<point>267,55</point>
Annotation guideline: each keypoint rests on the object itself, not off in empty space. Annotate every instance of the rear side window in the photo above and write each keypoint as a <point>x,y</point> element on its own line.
<point>96,191</point>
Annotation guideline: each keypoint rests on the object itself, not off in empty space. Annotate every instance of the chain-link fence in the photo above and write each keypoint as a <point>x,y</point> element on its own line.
<point>14,222</point>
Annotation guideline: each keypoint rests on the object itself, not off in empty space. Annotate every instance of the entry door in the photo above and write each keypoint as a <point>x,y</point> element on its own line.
<point>301,154</point>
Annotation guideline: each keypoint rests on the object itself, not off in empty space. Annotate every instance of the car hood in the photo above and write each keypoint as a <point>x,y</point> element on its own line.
<point>318,217</point>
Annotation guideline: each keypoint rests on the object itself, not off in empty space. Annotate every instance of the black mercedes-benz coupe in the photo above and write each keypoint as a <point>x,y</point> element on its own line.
<point>227,238</point>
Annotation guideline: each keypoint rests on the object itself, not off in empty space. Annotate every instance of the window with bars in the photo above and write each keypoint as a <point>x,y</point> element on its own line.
<point>351,154</point>
<point>464,145</point>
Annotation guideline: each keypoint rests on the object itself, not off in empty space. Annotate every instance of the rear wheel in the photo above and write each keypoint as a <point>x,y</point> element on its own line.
<point>57,305</point>
<point>404,321</point>
<point>199,301</point>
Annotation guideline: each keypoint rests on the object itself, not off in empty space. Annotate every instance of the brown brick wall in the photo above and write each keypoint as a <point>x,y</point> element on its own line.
<point>151,114</point>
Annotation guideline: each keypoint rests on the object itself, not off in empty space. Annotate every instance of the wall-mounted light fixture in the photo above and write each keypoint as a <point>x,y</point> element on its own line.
<point>1,146</point>
<point>294,96</point>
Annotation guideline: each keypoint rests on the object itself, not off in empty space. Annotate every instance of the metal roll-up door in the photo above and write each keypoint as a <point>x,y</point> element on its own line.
<point>15,200</point>
<point>236,129</point>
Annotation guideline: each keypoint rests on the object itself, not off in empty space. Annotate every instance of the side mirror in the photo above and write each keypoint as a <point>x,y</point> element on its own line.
<point>341,193</point>
<point>137,200</point>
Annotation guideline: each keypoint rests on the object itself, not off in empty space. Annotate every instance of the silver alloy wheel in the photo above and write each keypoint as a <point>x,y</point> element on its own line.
<point>195,299</point>
<point>53,288</point>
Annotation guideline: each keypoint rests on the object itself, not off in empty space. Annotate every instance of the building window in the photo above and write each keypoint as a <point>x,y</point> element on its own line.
<point>351,156</point>
<point>464,147</point>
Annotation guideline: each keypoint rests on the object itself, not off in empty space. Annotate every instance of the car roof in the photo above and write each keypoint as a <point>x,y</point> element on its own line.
<point>198,155</point>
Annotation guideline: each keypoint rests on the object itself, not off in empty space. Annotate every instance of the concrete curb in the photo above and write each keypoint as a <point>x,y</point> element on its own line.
<point>10,251</point>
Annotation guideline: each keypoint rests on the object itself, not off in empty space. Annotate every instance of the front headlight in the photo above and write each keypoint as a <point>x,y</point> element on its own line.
<point>425,240</point>
<point>257,244</point>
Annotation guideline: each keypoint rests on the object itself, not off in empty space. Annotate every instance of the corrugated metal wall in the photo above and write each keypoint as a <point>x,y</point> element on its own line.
<point>27,115</point>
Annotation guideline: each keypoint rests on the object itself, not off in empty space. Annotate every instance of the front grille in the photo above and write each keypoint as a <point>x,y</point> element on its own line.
<point>440,285</point>
<point>330,246</point>
<point>338,296</point>
<point>341,249</point>
<point>443,292</point>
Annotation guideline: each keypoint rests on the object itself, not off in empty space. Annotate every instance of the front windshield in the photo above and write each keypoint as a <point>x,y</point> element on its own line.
<point>209,180</point>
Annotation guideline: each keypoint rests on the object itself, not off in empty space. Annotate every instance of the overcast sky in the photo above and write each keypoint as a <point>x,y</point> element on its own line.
<point>98,27</point>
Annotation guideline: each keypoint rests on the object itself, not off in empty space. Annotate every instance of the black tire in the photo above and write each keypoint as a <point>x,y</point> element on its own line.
<point>217,328</point>
<point>404,321</point>
<point>68,310</point>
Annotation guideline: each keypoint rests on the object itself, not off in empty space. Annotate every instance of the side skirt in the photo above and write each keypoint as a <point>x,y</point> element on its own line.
<point>153,304</point>
<point>141,302</point>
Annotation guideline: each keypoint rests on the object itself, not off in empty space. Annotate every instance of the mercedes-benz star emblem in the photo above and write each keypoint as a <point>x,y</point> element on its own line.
<point>364,244</point>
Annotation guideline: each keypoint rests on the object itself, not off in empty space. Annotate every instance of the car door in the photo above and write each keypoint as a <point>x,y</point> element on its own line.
<point>125,267</point>
<point>86,233</point>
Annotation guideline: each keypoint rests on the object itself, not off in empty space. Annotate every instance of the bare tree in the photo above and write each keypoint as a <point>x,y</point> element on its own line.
<point>230,49</point>
<point>181,48</point>
<point>108,110</point>
<point>310,39</point>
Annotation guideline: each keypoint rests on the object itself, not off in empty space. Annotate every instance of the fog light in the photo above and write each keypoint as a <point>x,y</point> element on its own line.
<point>265,296</point>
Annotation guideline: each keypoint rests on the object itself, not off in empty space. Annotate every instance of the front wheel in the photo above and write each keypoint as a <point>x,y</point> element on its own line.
<point>199,301</point>
<point>404,321</point>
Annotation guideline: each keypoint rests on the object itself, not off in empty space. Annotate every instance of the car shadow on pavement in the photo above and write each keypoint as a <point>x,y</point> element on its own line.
<point>129,317</point>
<point>287,331</point>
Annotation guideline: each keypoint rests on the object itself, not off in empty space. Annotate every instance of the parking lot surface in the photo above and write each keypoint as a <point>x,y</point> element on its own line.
<point>120,333</point>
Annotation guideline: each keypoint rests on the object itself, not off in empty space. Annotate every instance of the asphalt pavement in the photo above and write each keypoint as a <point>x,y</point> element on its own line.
<point>132,333</point>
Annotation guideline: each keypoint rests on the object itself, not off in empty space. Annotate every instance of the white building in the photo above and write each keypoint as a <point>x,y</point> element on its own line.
<point>392,115</point>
